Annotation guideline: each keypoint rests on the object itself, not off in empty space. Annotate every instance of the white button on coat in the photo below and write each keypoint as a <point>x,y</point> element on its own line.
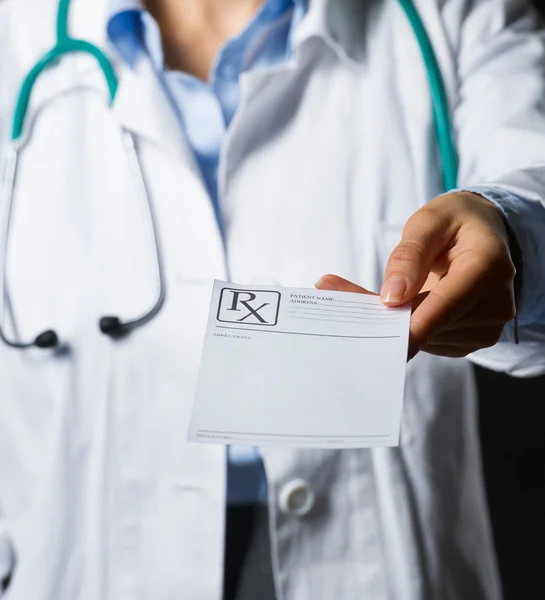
<point>296,498</point>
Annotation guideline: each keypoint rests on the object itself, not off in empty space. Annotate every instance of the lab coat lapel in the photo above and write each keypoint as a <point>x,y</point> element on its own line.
<point>142,106</point>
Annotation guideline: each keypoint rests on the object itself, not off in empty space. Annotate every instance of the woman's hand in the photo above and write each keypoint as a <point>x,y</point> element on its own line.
<point>454,263</point>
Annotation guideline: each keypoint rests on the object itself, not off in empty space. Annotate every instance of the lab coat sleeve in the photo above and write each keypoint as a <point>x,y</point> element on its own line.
<point>499,121</point>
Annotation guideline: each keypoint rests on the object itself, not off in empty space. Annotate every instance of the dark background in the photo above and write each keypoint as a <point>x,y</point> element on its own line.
<point>512,418</point>
<point>512,414</point>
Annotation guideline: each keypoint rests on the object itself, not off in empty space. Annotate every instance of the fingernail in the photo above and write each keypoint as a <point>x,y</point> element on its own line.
<point>325,283</point>
<point>393,289</point>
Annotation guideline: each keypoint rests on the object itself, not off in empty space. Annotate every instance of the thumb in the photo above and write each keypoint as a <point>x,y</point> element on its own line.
<point>338,284</point>
<point>425,238</point>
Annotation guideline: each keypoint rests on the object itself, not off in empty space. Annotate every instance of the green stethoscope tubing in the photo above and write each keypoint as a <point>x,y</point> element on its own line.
<point>441,116</point>
<point>65,45</point>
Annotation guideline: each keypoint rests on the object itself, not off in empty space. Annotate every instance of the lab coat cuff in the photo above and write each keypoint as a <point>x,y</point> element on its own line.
<point>525,223</point>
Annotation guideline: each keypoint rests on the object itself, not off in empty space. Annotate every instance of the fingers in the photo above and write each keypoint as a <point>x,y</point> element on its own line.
<point>471,338</point>
<point>335,283</point>
<point>426,236</point>
<point>462,290</point>
<point>447,301</point>
<point>478,339</point>
<point>495,310</point>
<point>480,327</point>
<point>453,263</point>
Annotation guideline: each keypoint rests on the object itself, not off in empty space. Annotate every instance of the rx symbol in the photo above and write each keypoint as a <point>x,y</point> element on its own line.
<point>245,299</point>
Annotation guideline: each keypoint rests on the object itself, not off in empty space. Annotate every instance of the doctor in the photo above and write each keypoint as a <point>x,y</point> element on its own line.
<point>309,150</point>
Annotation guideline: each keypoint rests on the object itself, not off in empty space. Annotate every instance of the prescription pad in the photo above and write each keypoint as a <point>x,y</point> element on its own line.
<point>300,367</point>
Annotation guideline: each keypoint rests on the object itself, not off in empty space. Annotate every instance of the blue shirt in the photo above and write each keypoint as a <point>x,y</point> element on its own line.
<point>205,111</point>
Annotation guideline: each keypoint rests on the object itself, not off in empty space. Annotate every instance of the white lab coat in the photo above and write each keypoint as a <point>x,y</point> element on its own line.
<point>101,497</point>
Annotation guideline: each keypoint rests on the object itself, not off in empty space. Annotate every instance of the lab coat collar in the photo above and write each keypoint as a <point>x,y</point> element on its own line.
<point>142,105</point>
<point>339,23</point>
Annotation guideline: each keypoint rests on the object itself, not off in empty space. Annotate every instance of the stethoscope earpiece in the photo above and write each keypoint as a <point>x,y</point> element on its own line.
<point>111,326</point>
<point>47,339</point>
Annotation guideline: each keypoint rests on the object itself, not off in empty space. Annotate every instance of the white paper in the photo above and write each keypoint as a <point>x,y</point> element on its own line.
<point>300,367</point>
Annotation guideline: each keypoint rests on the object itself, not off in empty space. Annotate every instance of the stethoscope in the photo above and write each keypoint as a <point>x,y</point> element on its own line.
<point>111,326</point>
<point>114,326</point>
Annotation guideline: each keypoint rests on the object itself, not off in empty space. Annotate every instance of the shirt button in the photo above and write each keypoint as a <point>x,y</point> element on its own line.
<point>296,498</point>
